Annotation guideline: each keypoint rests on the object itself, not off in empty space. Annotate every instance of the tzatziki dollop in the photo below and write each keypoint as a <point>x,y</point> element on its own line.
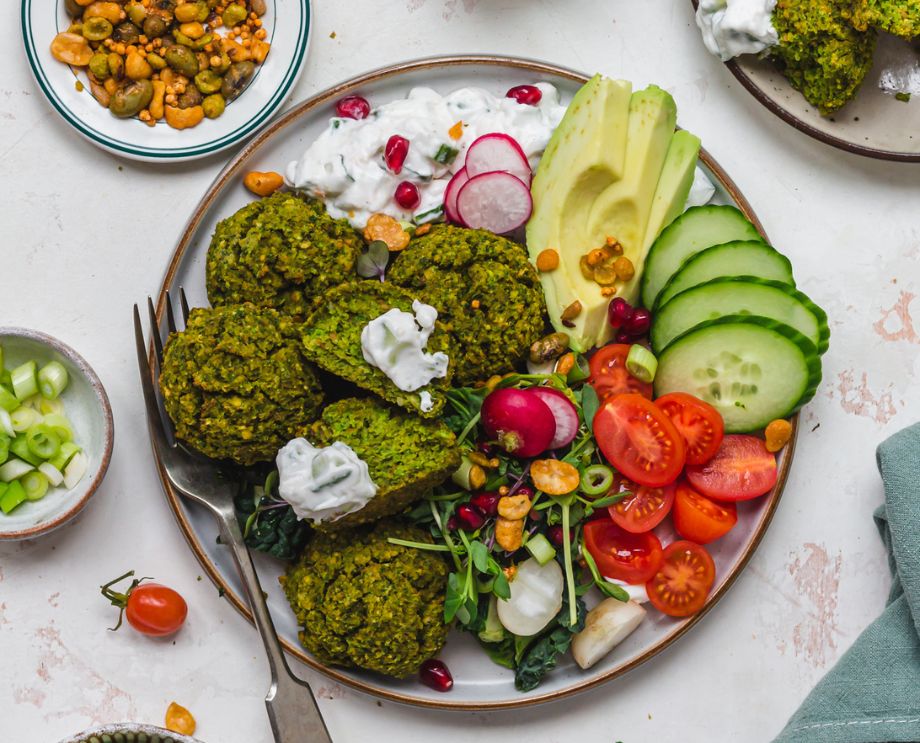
<point>395,343</point>
<point>323,484</point>
<point>735,27</point>
<point>346,168</point>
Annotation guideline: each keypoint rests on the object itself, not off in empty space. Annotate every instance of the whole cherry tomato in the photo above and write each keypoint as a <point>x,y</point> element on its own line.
<point>151,608</point>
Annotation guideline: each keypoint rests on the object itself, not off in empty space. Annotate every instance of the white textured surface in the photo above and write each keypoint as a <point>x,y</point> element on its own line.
<point>96,232</point>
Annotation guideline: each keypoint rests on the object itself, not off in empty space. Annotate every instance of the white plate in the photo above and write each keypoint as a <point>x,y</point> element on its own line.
<point>478,683</point>
<point>43,19</point>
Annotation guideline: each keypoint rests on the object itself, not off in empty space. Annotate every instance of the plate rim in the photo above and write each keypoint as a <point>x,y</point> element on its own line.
<point>175,500</point>
<point>123,148</point>
<point>803,126</point>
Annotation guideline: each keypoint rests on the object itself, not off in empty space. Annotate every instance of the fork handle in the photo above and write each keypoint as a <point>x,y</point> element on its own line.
<point>292,708</point>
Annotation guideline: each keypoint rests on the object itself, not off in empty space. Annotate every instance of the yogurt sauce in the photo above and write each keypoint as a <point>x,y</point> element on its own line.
<point>735,27</point>
<point>323,484</point>
<point>345,166</point>
<point>395,343</point>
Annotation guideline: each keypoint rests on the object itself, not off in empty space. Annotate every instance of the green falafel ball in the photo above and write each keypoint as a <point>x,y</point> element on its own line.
<point>898,17</point>
<point>332,341</point>
<point>364,602</point>
<point>236,385</point>
<point>406,456</point>
<point>280,252</point>
<point>486,292</point>
<point>821,54</point>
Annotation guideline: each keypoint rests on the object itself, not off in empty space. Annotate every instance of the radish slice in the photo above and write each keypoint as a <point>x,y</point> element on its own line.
<point>492,152</point>
<point>565,413</point>
<point>450,196</point>
<point>498,202</point>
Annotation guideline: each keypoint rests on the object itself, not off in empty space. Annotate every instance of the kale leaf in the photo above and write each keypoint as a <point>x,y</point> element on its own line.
<point>271,527</point>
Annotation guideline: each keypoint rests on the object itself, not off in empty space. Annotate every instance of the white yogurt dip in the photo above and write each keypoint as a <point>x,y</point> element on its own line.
<point>323,484</point>
<point>395,343</point>
<point>735,27</point>
<point>346,168</point>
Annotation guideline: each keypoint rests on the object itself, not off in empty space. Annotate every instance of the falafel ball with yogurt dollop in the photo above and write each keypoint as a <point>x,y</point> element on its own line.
<point>236,384</point>
<point>486,291</point>
<point>362,601</point>
<point>282,252</point>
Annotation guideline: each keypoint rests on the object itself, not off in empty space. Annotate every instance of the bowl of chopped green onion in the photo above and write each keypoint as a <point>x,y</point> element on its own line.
<point>56,433</point>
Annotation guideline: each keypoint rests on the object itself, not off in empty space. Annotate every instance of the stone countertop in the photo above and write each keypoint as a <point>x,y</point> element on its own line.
<point>86,234</point>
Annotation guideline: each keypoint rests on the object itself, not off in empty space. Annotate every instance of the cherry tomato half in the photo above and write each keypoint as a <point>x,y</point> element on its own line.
<point>609,375</point>
<point>155,610</point>
<point>681,585</point>
<point>698,422</point>
<point>644,509</point>
<point>742,469</point>
<point>633,558</point>
<point>639,440</point>
<point>700,519</point>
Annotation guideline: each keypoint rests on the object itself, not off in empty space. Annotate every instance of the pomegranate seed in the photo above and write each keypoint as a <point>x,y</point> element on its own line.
<point>486,502</point>
<point>486,448</point>
<point>524,490</point>
<point>623,337</point>
<point>452,523</point>
<point>619,311</point>
<point>529,95</point>
<point>407,195</point>
<point>353,107</point>
<point>434,673</point>
<point>639,323</point>
<point>395,153</point>
<point>535,515</point>
<point>469,517</point>
<point>555,535</point>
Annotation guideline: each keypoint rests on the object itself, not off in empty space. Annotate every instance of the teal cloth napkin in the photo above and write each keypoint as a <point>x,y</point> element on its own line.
<point>872,695</point>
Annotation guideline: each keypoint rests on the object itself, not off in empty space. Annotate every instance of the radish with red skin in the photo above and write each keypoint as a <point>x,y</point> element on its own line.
<point>498,202</point>
<point>565,413</point>
<point>520,422</point>
<point>496,152</point>
<point>454,185</point>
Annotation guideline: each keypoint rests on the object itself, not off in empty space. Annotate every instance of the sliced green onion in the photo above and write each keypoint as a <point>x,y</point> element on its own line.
<point>43,441</point>
<point>35,484</point>
<point>4,448</point>
<point>6,424</point>
<point>25,383</point>
<point>20,447</point>
<point>74,471</point>
<point>641,363</point>
<point>52,380</point>
<point>11,496</point>
<point>54,475</point>
<point>50,407</point>
<point>597,479</point>
<point>14,469</point>
<point>539,546</point>
<point>60,425</point>
<point>68,449</point>
<point>24,418</point>
<point>8,401</point>
<point>580,370</point>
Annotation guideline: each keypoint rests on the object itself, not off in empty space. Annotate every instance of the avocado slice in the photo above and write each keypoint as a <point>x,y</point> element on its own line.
<point>586,154</point>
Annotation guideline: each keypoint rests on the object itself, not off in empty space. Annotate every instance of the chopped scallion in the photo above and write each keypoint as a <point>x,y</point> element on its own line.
<point>43,441</point>
<point>35,484</point>
<point>8,401</point>
<point>12,496</point>
<point>597,479</point>
<point>25,382</point>
<point>6,424</point>
<point>4,448</point>
<point>52,380</point>
<point>14,469</point>
<point>60,425</point>
<point>24,418</point>
<point>67,452</point>
<point>641,363</point>
<point>75,470</point>
<point>539,546</point>
<point>54,475</point>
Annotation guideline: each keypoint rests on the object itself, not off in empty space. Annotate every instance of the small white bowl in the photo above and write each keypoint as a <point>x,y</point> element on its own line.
<point>128,732</point>
<point>87,408</point>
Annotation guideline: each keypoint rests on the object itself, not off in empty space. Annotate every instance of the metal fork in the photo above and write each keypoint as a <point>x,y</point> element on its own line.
<point>292,709</point>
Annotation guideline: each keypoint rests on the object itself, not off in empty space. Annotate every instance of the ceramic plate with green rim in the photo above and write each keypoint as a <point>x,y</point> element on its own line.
<point>42,21</point>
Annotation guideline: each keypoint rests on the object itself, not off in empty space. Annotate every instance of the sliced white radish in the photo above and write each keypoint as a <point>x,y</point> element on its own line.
<point>54,475</point>
<point>565,413</point>
<point>498,202</point>
<point>450,196</point>
<point>536,597</point>
<point>75,470</point>
<point>494,152</point>
<point>606,626</point>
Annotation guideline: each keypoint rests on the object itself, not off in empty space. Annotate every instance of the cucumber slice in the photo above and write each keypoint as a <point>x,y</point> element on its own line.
<point>698,228</point>
<point>739,295</point>
<point>748,258</point>
<point>751,369</point>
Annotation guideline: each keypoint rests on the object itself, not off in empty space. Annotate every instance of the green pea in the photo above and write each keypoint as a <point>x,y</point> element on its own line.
<point>154,26</point>
<point>96,29</point>
<point>156,61</point>
<point>99,66</point>
<point>213,105</point>
<point>137,14</point>
<point>132,98</point>
<point>236,79</point>
<point>208,82</point>
<point>234,15</point>
<point>116,65</point>
<point>182,60</point>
